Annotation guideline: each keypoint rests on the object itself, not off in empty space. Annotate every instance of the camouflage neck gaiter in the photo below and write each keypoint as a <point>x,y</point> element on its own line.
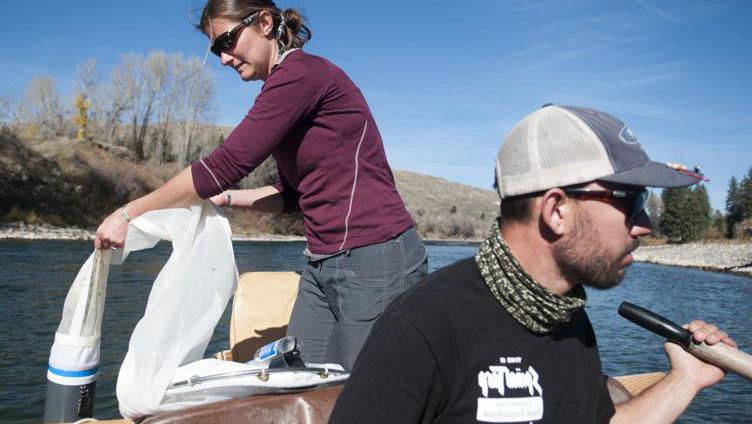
<point>531,304</point>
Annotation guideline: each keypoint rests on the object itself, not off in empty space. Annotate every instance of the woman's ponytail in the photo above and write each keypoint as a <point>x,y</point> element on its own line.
<point>294,32</point>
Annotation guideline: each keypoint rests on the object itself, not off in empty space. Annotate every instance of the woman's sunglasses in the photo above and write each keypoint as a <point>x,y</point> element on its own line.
<point>631,202</point>
<point>227,40</point>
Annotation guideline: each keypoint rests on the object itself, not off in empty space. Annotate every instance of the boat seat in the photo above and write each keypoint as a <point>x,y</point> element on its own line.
<point>261,310</point>
<point>626,387</point>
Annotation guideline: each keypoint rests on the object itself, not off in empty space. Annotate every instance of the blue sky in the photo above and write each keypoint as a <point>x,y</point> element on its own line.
<point>446,80</point>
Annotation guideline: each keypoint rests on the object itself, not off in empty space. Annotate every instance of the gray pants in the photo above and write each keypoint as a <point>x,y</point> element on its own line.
<point>340,297</point>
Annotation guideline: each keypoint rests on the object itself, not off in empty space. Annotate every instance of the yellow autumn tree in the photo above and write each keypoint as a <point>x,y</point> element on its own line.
<point>81,120</point>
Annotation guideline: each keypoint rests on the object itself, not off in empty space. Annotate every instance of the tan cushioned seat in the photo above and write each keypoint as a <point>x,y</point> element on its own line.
<point>260,311</point>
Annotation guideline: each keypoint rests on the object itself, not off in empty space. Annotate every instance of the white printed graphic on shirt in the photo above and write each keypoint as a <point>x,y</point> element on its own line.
<point>511,394</point>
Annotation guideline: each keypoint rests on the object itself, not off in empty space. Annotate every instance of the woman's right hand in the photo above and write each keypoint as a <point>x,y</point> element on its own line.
<point>112,231</point>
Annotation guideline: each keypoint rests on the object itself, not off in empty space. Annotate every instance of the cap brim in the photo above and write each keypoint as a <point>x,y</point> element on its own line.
<point>654,174</point>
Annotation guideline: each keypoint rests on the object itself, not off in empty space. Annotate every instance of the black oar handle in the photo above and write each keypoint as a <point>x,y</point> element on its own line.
<point>719,354</point>
<point>656,323</point>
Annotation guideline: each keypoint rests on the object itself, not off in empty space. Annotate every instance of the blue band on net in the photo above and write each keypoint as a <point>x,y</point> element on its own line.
<point>64,373</point>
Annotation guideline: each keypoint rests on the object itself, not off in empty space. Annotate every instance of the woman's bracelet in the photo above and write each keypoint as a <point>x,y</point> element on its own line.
<point>125,215</point>
<point>228,199</point>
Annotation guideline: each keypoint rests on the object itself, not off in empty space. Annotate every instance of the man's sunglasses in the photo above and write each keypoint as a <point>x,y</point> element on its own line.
<point>227,40</point>
<point>631,202</point>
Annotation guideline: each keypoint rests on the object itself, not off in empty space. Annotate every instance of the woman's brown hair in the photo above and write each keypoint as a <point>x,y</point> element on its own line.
<point>294,34</point>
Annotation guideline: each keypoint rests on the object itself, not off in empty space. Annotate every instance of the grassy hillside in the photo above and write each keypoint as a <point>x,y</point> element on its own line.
<point>68,183</point>
<point>442,209</point>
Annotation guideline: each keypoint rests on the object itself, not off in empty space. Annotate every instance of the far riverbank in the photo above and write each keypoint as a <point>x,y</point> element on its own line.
<point>710,256</point>
<point>19,230</point>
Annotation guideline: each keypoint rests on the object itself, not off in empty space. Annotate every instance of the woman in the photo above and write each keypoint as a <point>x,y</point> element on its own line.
<point>362,246</point>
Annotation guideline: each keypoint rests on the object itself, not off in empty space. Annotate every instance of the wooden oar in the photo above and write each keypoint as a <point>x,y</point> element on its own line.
<point>719,354</point>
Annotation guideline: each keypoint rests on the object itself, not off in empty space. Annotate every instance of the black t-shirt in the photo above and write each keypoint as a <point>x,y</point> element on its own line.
<point>447,351</point>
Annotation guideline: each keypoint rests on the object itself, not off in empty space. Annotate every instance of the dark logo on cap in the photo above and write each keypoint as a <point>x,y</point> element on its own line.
<point>626,135</point>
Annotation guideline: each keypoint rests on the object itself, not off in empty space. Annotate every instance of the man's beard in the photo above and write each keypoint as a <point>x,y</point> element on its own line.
<point>584,259</point>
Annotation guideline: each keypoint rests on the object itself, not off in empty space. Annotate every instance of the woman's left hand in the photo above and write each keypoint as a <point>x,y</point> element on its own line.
<point>221,199</point>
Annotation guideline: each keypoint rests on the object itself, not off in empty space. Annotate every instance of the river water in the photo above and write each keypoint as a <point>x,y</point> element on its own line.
<point>35,277</point>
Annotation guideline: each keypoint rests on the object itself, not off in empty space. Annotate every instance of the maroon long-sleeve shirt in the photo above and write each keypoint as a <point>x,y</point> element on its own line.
<point>317,125</point>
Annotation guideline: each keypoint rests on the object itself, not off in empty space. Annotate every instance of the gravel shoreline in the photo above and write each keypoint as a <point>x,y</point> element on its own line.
<point>23,231</point>
<point>20,230</point>
<point>723,257</point>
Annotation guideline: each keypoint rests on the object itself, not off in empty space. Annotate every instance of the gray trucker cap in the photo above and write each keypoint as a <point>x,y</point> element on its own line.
<point>558,146</point>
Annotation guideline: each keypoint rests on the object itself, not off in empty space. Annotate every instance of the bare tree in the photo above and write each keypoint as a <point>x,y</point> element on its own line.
<point>87,78</point>
<point>141,81</point>
<point>113,102</point>
<point>156,76</point>
<point>131,83</point>
<point>7,108</point>
<point>110,106</point>
<point>193,106</point>
<point>43,107</point>
<point>17,111</point>
<point>165,110</point>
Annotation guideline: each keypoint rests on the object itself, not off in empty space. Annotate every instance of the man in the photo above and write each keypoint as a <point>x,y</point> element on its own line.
<point>503,336</point>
